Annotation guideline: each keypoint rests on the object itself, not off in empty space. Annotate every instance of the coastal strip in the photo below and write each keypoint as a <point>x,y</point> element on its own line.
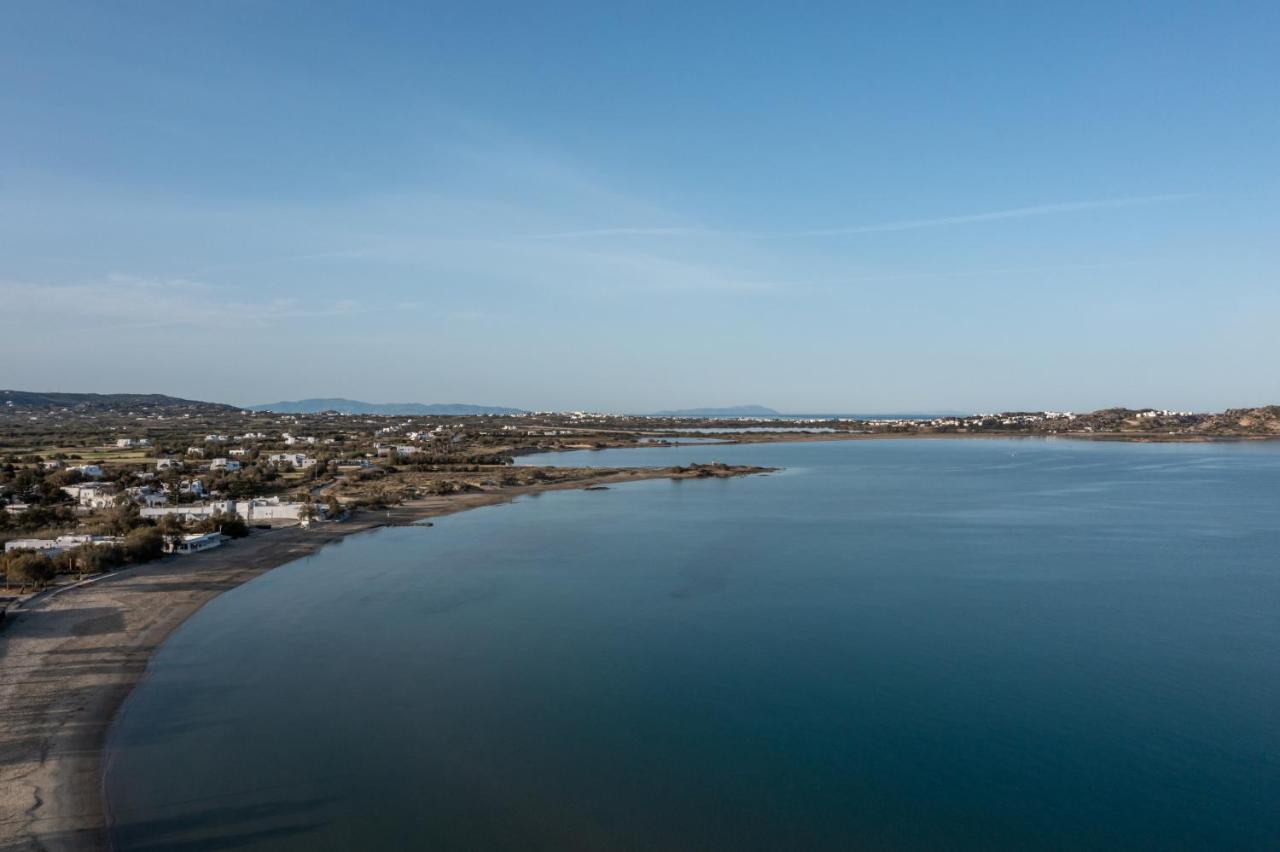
<point>68,661</point>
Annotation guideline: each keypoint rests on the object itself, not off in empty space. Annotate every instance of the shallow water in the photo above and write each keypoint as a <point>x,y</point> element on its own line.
<point>890,644</point>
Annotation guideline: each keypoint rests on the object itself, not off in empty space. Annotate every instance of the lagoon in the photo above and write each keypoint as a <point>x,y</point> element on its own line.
<point>969,644</point>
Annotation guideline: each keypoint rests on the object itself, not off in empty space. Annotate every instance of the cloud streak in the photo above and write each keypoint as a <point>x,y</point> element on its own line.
<point>128,302</point>
<point>878,228</point>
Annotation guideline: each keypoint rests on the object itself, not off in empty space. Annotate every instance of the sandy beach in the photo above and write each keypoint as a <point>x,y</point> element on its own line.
<point>68,660</point>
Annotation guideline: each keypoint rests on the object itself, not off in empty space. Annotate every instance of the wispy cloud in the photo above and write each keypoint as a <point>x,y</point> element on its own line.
<point>991,216</point>
<point>130,302</point>
<point>882,227</point>
<point>629,232</point>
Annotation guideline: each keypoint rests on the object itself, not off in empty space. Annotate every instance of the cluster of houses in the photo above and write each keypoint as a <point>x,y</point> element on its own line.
<point>91,495</point>
<point>255,511</point>
<point>1151,414</point>
<point>191,543</point>
<point>54,546</point>
<point>299,461</point>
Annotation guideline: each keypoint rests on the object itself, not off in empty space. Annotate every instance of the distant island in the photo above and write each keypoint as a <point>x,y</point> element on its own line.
<point>731,411</point>
<point>355,406</point>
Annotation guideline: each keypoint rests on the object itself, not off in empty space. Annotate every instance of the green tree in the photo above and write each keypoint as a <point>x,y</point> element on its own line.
<point>172,527</point>
<point>143,544</point>
<point>96,558</point>
<point>29,569</point>
<point>228,525</point>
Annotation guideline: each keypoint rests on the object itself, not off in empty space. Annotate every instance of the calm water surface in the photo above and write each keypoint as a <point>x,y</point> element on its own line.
<point>889,645</point>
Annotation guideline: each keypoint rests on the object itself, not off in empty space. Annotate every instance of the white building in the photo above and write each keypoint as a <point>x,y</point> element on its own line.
<point>90,470</point>
<point>251,511</point>
<point>45,545</point>
<point>126,443</point>
<point>193,512</point>
<point>148,496</point>
<point>194,543</point>
<point>92,495</point>
<point>194,487</point>
<point>54,546</point>
<point>229,465</point>
<point>298,460</point>
<point>273,509</point>
<point>168,464</point>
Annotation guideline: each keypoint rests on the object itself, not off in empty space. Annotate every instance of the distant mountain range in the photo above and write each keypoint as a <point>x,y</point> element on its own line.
<point>106,401</point>
<point>355,406</point>
<point>731,411</point>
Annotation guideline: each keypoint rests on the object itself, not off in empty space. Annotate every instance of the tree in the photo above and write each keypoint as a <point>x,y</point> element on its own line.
<point>228,525</point>
<point>123,518</point>
<point>29,569</point>
<point>96,558</point>
<point>172,527</point>
<point>143,544</point>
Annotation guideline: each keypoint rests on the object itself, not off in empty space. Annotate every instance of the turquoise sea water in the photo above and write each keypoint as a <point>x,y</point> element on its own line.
<point>980,644</point>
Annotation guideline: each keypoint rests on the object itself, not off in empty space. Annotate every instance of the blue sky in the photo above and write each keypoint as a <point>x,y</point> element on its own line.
<point>836,207</point>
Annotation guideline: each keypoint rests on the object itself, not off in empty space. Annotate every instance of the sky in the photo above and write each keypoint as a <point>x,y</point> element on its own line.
<point>839,207</point>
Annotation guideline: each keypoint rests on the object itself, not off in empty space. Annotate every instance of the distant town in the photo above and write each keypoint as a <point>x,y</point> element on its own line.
<point>89,483</point>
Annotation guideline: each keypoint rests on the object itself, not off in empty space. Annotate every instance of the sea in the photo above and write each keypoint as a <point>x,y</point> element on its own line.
<point>959,644</point>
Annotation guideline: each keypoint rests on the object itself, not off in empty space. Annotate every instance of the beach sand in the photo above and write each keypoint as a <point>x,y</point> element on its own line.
<point>68,661</point>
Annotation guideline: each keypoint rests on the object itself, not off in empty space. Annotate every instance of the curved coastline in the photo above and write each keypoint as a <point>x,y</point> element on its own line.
<point>68,662</point>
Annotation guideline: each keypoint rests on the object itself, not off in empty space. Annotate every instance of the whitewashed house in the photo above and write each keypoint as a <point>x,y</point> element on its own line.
<point>148,496</point>
<point>297,460</point>
<point>92,495</point>
<point>194,543</point>
<point>193,487</point>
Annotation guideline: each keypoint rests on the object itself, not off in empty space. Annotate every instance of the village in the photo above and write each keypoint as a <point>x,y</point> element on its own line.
<point>97,486</point>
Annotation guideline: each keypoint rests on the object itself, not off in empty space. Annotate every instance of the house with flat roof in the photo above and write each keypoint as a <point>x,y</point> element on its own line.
<point>194,543</point>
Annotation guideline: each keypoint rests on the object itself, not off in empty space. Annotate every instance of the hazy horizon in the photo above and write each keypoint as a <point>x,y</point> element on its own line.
<point>842,411</point>
<point>633,209</point>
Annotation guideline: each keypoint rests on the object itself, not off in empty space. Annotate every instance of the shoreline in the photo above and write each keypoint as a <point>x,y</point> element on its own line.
<point>69,661</point>
<point>799,437</point>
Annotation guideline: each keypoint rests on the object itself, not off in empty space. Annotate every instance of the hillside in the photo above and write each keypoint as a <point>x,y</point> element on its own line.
<point>355,406</point>
<point>137,402</point>
<point>1264,420</point>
